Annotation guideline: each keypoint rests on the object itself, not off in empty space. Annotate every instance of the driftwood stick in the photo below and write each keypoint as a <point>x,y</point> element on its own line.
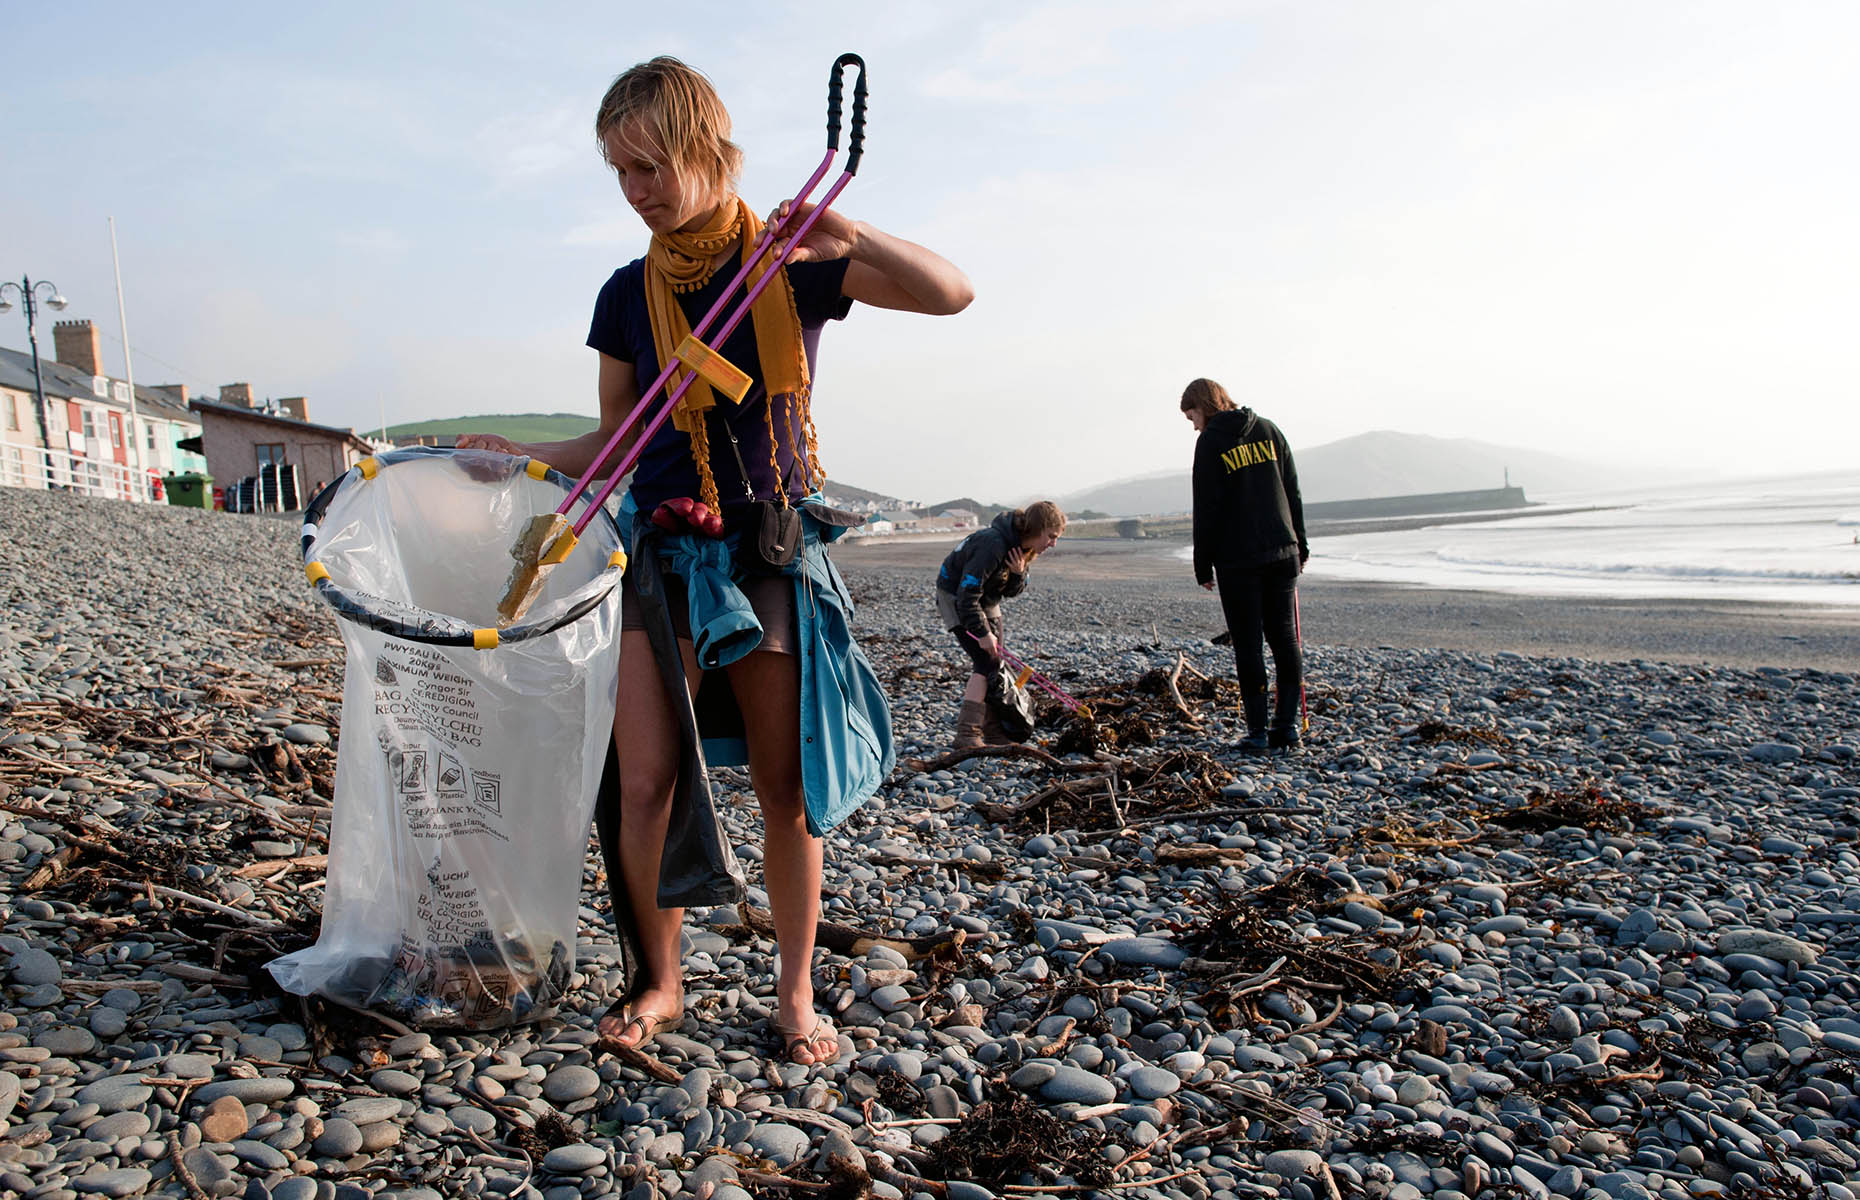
<point>1197,816</point>
<point>944,762</point>
<point>182,1171</point>
<point>633,1056</point>
<point>272,867</point>
<point>981,870</point>
<point>1199,855</point>
<point>1002,813</point>
<point>768,1179</point>
<point>854,942</point>
<point>908,1184</point>
<point>1325,1023</point>
<point>1068,1189</point>
<point>229,797</point>
<point>193,974</point>
<point>55,864</point>
<point>1175,693</point>
<point>213,906</point>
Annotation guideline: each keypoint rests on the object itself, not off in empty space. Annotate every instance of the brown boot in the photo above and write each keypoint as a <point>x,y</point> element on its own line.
<point>969,725</point>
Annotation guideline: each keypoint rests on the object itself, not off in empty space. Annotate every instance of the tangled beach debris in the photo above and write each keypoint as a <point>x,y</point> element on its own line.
<point>1509,926</point>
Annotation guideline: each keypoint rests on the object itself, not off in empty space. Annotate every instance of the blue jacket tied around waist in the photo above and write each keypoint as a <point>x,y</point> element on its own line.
<point>846,743</point>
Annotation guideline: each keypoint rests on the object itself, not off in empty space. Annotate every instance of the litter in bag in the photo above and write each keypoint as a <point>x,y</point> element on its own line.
<point>1010,703</point>
<point>470,756</point>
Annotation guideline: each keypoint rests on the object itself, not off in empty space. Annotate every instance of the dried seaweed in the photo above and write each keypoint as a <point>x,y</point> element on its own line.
<point>899,1094</point>
<point>1240,939</point>
<point>551,1132</point>
<point>1009,1135</point>
<point>1432,733</point>
<point>1179,782</point>
<point>1588,807</point>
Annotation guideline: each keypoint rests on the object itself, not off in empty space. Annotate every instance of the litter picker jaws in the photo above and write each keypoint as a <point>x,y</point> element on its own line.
<point>549,539</point>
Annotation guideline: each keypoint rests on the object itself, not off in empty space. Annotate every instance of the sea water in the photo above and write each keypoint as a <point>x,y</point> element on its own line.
<point>1791,539</point>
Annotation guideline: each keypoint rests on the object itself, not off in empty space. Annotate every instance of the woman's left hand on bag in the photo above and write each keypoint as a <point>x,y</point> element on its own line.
<point>834,235</point>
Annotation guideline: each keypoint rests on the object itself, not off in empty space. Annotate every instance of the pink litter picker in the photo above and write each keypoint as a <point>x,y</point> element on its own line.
<point>551,538</point>
<point>1024,673</point>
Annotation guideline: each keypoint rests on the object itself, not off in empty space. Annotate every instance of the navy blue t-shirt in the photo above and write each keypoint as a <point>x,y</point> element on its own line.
<point>622,328</point>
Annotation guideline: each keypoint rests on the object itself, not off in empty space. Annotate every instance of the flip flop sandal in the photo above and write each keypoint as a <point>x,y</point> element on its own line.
<point>823,1030</point>
<point>650,1024</point>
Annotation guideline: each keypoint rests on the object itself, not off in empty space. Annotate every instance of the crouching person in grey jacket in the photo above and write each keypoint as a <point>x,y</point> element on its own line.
<point>990,565</point>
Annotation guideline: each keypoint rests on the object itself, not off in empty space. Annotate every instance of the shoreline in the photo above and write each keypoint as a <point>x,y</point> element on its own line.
<point>1369,615</point>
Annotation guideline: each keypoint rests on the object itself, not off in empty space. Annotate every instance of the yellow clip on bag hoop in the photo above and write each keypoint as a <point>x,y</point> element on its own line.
<point>369,467</point>
<point>316,572</point>
<point>537,469</point>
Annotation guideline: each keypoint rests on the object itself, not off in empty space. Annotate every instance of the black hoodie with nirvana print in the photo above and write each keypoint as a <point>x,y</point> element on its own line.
<point>1247,509</point>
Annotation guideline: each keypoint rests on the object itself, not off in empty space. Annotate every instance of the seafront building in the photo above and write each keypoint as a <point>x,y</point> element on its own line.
<point>96,446</point>
<point>242,438</point>
<point>101,445</point>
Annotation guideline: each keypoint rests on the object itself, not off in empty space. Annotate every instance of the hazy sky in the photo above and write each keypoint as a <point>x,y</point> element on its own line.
<point>1603,229</point>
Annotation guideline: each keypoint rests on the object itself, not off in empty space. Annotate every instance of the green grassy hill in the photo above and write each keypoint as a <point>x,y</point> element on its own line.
<point>518,427</point>
<point>556,427</point>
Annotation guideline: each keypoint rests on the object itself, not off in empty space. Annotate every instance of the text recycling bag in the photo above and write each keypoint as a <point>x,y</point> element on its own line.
<point>470,757</point>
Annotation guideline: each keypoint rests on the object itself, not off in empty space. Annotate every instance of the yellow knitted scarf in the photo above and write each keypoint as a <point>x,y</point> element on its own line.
<point>681,262</point>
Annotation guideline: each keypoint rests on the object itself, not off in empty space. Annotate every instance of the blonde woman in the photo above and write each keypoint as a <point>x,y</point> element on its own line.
<point>665,134</point>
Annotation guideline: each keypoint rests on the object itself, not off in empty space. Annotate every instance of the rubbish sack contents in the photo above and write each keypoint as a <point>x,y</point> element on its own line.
<point>470,755</point>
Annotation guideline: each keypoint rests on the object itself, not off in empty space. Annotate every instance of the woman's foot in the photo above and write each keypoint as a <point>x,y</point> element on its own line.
<point>811,1046</point>
<point>636,1022</point>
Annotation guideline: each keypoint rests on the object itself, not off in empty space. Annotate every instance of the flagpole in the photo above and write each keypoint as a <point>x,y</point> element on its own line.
<point>129,373</point>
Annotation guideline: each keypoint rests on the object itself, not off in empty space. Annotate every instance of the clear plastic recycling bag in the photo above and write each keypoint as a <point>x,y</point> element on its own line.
<point>470,757</point>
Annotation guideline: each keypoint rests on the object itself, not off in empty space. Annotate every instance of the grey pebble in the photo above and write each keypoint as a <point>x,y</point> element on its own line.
<point>574,1158</point>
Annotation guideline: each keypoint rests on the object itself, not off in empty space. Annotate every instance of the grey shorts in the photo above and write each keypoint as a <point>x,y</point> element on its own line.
<point>771,598</point>
<point>946,609</point>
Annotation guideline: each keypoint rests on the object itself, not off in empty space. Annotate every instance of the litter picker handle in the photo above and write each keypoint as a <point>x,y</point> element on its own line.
<point>855,146</point>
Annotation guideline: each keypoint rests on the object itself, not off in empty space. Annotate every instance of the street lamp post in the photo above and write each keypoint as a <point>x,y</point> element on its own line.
<point>28,293</point>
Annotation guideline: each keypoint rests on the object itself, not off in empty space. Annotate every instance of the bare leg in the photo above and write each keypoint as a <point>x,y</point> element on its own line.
<point>768,691</point>
<point>646,743</point>
<point>977,688</point>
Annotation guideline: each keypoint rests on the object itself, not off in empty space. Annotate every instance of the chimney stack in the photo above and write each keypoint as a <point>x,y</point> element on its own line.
<point>295,407</point>
<point>78,345</point>
<point>176,392</point>
<point>239,395</point>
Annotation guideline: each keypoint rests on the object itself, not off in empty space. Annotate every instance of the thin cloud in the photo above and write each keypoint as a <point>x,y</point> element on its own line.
<point>372,241</point>
<point>520,147</point>
<point>607,232</point>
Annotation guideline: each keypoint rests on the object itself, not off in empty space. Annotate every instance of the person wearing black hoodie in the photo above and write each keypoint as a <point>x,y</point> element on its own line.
<point>988,566</point>
<point>1250,534</point>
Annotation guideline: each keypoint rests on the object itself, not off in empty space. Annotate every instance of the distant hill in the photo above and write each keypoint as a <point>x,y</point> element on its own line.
<point>845,493</point>
<point>1382,463</point>
<point>518,427</point>
<point>987,512</point>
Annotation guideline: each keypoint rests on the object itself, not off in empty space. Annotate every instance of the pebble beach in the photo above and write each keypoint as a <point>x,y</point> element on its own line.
<point>1575,917</point>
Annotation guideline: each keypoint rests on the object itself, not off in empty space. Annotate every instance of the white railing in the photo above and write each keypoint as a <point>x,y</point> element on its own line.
<point>40,469</point>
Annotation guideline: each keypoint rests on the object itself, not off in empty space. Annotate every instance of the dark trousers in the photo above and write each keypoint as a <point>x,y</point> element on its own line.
<point>1261,602</point>
<point>983,664</point>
